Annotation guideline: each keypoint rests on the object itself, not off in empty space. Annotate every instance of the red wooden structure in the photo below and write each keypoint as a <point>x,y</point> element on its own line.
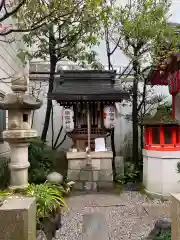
<point>168,75</point>
<point>161,132</point>
<point>162,138</point>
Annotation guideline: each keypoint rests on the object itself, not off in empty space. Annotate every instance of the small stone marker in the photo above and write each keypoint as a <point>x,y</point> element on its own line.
<point>175,213</point>
<point>94,227</point>
<point>18,219</point>
<point>55,177</point>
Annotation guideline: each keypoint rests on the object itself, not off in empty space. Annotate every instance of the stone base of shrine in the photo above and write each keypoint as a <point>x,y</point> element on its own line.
<point>94,176</point>
<point>160,176</point>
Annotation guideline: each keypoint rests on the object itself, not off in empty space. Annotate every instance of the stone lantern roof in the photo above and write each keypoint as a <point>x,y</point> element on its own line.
<point>18,99</point>
<point>162,117</point>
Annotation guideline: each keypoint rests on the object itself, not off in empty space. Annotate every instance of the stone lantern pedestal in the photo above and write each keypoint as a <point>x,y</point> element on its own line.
<point>19,105</point>
<point>19,164</point>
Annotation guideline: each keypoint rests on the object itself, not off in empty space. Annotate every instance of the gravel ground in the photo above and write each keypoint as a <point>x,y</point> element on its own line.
<point>128,216</point>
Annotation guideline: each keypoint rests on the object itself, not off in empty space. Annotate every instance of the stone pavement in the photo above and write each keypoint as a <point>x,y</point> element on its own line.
<point>128,216</point>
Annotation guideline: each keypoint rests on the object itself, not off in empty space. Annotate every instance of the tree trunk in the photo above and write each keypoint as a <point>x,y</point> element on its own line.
<point>114,154</point>
<point>53,61</point>
<point>142,137</point>
<point>49,102</point>
<point>110,66</point>
<point>135,146</point>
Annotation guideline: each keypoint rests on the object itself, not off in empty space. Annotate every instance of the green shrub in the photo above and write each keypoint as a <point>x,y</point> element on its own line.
<point>41,160</point>
<point>4,172</point>
<point>130,174</point>
<point>166,235</point>
<point>49,198</point>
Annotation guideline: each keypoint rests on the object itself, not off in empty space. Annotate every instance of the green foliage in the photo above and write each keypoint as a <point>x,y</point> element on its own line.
<point>4,172</point>
<point>41,160</point>
<point>134,28</point>
<point>141,30</point>
<point>165,235</point>
<point>49,198</point>
<point>130,174</point>
<point>69,32</point>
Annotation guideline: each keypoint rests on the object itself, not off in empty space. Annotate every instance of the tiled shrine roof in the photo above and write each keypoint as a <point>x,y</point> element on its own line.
<point>87,85</point>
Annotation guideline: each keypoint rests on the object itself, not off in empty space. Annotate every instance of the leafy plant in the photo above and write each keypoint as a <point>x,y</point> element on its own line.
<point>4,172</point>
<point>41,160</point>
<point>130,174</point>
<point>49,198</point>
<point>166,235</point>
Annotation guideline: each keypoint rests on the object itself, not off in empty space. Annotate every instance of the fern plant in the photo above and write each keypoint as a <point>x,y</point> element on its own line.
<point>49,198</point>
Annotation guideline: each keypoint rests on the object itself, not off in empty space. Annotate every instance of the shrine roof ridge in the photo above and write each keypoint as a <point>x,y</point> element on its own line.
<point>87,74</point>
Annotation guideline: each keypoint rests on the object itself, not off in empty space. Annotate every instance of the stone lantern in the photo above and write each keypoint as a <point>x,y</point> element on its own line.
<point>161,153</point>
<point>20,106</point>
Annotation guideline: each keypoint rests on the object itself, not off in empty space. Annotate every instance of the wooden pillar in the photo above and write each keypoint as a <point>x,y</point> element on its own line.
<point>89,136</point>
<point>89,128</point>
<point>173,105</point>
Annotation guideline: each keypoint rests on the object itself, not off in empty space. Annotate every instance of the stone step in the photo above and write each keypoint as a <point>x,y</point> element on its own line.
<point>94,227</point>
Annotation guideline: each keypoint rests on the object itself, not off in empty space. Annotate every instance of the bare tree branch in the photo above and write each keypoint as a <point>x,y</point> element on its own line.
<point>64,138</point>
<point>2,4</point>
<point>34,27</point>
<point>116,46</point>
<point>9,14</point>
<point>58,136</point>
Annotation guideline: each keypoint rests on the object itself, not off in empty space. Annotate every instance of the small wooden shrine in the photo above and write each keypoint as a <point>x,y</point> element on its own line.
<point>90,99</point>
<point>88,96</point>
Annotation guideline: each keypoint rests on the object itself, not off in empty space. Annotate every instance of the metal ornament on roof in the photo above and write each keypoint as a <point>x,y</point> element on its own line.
<point>174,83</point>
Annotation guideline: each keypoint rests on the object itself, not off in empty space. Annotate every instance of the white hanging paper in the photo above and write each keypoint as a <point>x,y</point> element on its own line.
<point>100,145</point>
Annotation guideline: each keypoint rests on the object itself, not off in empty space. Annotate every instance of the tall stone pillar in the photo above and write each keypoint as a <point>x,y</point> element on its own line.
<point>175,213</point>
<point>19,105</point>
